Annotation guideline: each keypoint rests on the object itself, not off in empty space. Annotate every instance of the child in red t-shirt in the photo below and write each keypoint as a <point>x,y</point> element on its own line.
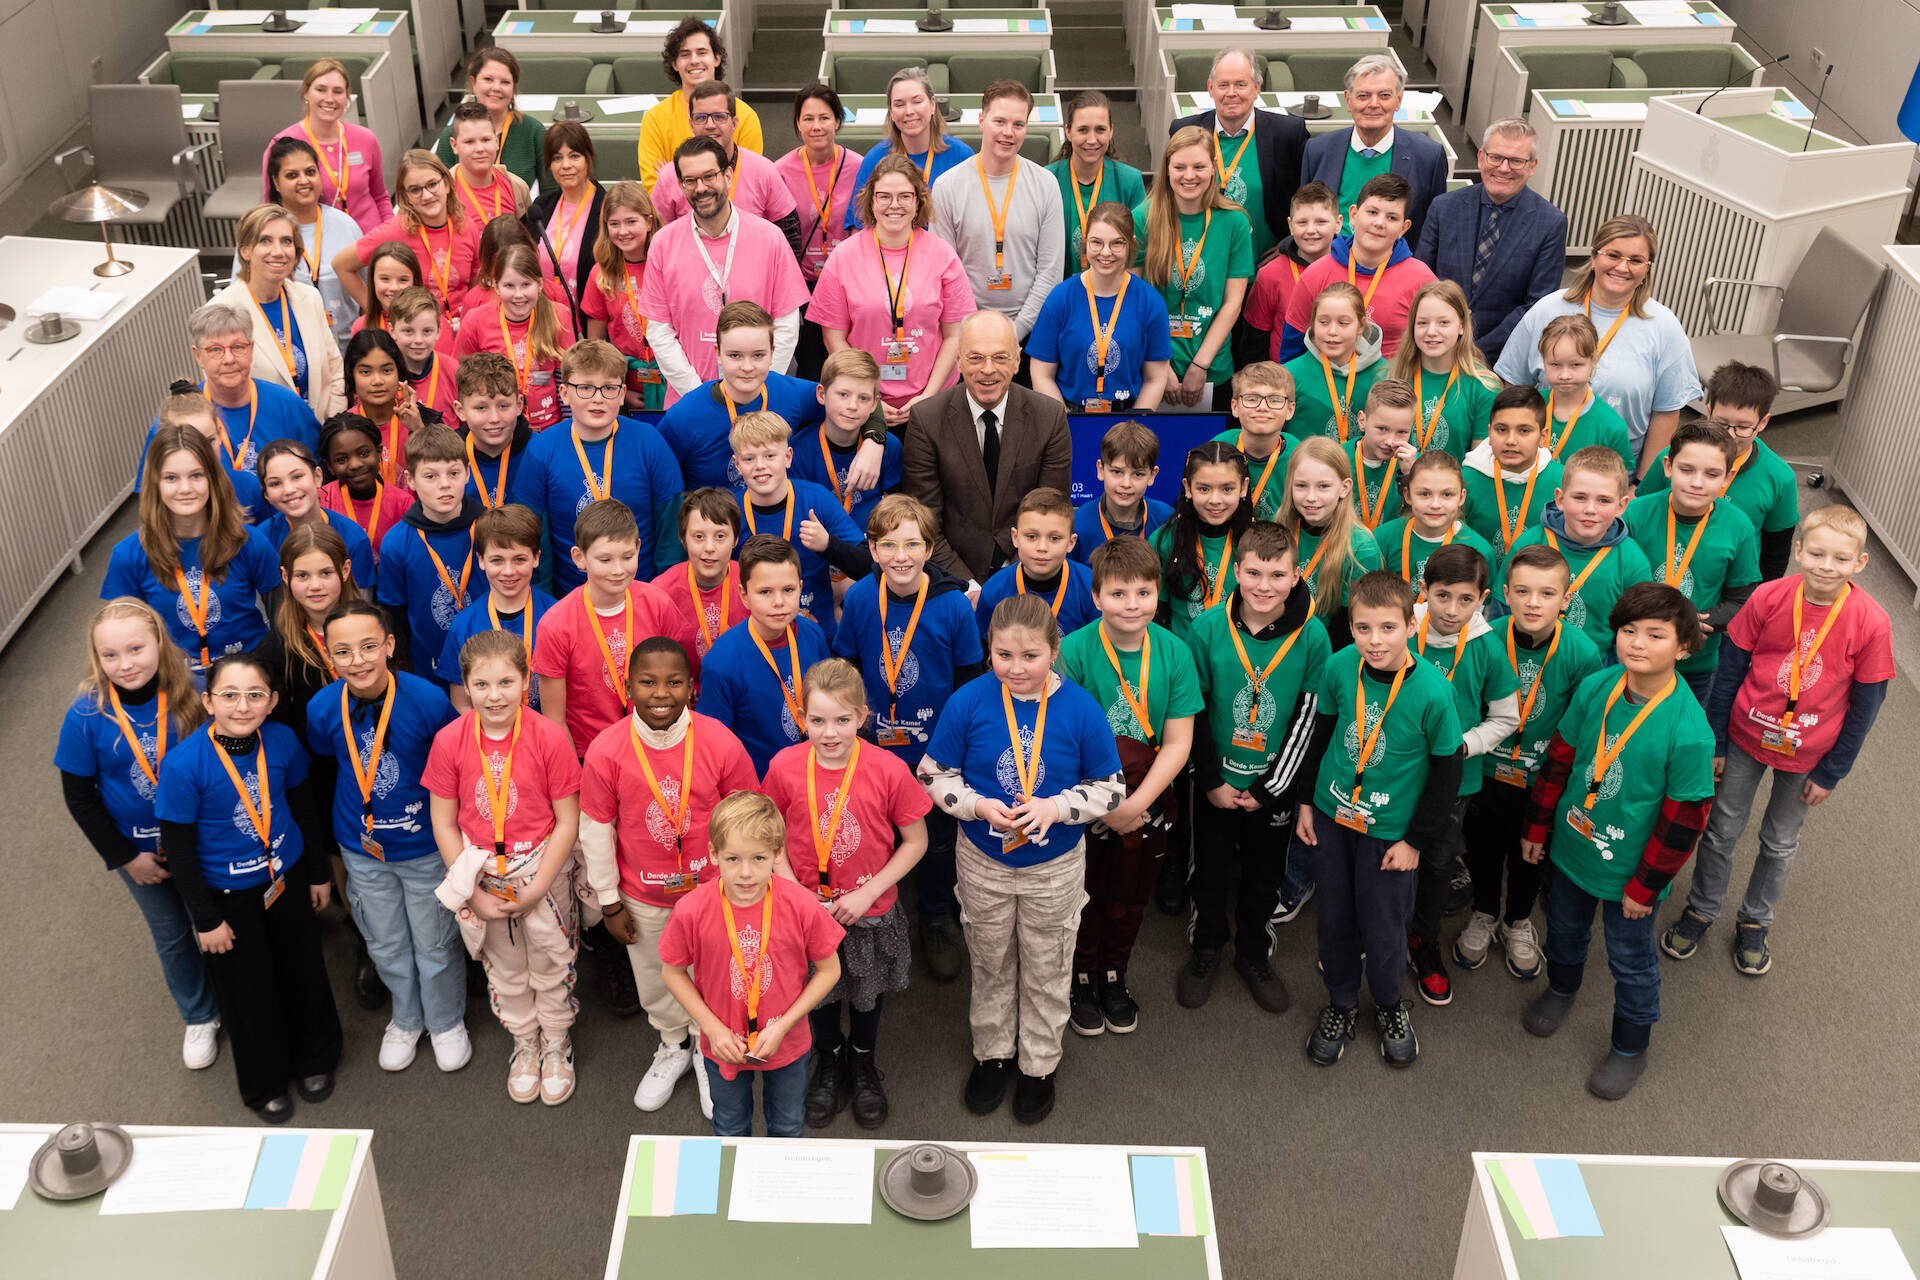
<point>735,955</point>
<point>710,530</point>
<point>1313,220</point>
<point>842,800</point>
<point>650,781</point>
<point>506,810</point>
<point>1804,667</point>
<point>524,326</point>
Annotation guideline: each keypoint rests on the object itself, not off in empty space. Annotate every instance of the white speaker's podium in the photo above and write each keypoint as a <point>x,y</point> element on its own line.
<point>1739,191</point>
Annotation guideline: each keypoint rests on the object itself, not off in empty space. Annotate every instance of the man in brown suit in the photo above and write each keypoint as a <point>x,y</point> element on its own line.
<point>973,451</point>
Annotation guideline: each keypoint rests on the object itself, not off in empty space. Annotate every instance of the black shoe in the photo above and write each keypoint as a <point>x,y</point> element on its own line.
<point>1083,1007</point>
<point>1459,889</point>
<point>1398,1045</point>
<point>1615,1075</point>
<point>1269,992</point>
<point>1170,890</point>
<point>1330,1034</point>
<point>622,996</point>
<point>828,1087</point>
<point>1429,971</point>
<point>987,1085</point>
<point>1546,1012</point>
<point>1117,1008</point>
<point>1033,1098</point>
<point>940,941</point>
<point>275,1110</point>
<point>315,1088</point>
<point>1289,908</point>
<point>368,991</point>
<point>1194,983</point>
<point>869,1099</point>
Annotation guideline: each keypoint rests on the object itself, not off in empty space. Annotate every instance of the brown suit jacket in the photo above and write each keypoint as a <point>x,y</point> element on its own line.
<point>941,465</point>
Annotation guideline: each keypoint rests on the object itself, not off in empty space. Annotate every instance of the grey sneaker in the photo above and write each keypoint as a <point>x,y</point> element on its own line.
<point>1470,948</point>
<point>1750,954</point>
<point>1682,938</point>
<point>1330,1034</point>
<point>1398,1045</point>
<point>1544,1016</point>
<point>1615,1075</point>
<point>1523,949</point>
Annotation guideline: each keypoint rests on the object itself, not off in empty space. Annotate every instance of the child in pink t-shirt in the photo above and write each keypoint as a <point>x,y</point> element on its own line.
<point>350,450</point>
<point>707,587</point>
<point>1313,220</point>
<point>842,801</point>
<point>524,326</point>
<point>735,955</point>
<point>1374,259</point>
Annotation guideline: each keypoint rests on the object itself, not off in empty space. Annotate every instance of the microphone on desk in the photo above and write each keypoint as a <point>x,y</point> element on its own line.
<point>1746,75</point>
<point>1819,99</point>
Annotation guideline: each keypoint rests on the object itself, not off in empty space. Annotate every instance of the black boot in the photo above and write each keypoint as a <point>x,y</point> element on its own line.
<point>869,1099</point>
<point>368,991</point>
<point>828,1086</point>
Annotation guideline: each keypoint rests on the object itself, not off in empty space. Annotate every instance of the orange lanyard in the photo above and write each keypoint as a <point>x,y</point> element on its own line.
<point>1432,424</point>
<point>197,612</point>
<point>1371,518</point>
<point>1573,588</point>
<point>441,271</point>
<point>733,410</point>
<point>565,228</point>
<point>238,458</point>
<point>152,769</point>
<point>1586,305</point>
<point>1370,740</point>
<point>389,440</point>
<point>1554,446</point>
<point>433,383</point>
<point>320,647</point>
<point>1406,548</point>
<point>1186,268</point>
<point>1379,274</point>
<point>459,593</point>
<point>313,259</point>
<point>1222,170</point>
<point>786,530</point>
<point>1135,704</point>
<point>604,489</point>
<point>1240,443</point>
<point>1313,562</point>
<point>823,848</point>
<point>999,215</point>
<point>616,671</point>
<point>676,818</point>
<point>262,817</point>
<point>526,633</point>
<point>1533,692</point>
<point>1341,407</point>
<point>1257,682</point>
<point>364,774</point>
<point>498,790</point>
<point>891,662</point>
<point>1799,662</point>
<point>1509,532</point>
<point>1459,643</point>
<point>794,694</point>
<point>633,305</point>
<point>700,607</point>
<point>373,511</point>
<point>473,198</point>
<point>1059,596</point>
<point>338,177</point>
<point>282,337</point>
<point>521,374</point>
<point>1106,529</point>
<point>895,293</point>
<point>1218,577</point>
<point>833,476</point>
<point>1603,755</point>
<point>1733,473</point>
<point>752,980</point>
<point>1672,573</point>
<point>820,206</point>
<point>1083,211</point>
<point>499,497</point>
<point>1103,338</point>
<point>1026,764</point>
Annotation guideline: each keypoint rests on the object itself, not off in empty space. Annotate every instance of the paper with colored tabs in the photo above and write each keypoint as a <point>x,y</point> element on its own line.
<point>1052,1198</point>
<point>1170,1196</point>
<point>301,1171</point>
<point>184,1174</point>
<point>674,1176</point>
<point>1547,1199</point>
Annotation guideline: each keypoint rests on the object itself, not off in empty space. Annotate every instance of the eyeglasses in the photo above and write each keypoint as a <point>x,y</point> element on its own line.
<point>718,176</point>
<point>711,117</point>
<point>595,391</point>
<point>426,188</point>
<point>1614,258</point>
<point>912,548</point>
<point>1735,428</point>
<point>1495,161</point>
<point>894,197</point>
<point>981,359</point>
<point>234,697</point>
<point>1271,402</point>
<point>237,350</point>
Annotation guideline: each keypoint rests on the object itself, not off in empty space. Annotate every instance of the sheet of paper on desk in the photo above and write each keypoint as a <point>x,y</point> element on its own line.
<point>674,1176</point>
<point>233,18</point>
<point>318,27</point>
<point>891,26</point>
<point>591,16</point>
<point>629,105</point>
<point>1647,9</point>
<point>191,110</point>
<point>16,1149</point>
<point>355,16</point>
<point>802,1182</point>
<point>1204,12</point>
<point>1056,1198</point>
<point>870,115</point>
<point>185,1174</point>
<point>1552,15</point>
<point>1837,1253</point>
<point>536,101</point>
<point>649,26</point>
<point>1320,24</point>
<point>77,304</point>
<point>1616,110</point>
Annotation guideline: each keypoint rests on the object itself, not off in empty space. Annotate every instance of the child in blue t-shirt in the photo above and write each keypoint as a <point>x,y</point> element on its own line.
<point>380,725</point>
<point>229,800</point>
<point>506,542</point>
<point>1024,759</point>
<point>1042,537</point>
<point>696,426</point>
<point>494,426</point>
<point>849,393</point>
<point>186,406</point>
<point>290,478</point>
<point>799,512</point>
<point>753,678</point>
<point>264,412</point>
<point>1102,342</point>
<point>426,561</point>
<point>1129,464</point>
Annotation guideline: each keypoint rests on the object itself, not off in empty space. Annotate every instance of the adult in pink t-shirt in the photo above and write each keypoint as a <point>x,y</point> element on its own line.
<point>1858,650</point>
<point>885,795</point>
<point>819,173</point>
<point>349,153</point>
<point>896,271</point>
<point>697,264</point>
<point>544,770</point>
<point>444,241</point>
<point>758,189</point>
<point>564,648</point>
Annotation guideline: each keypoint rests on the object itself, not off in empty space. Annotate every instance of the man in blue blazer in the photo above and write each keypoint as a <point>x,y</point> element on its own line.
<point>1345,158</point>
<point>1278,142</point>
<point>1524,234</point>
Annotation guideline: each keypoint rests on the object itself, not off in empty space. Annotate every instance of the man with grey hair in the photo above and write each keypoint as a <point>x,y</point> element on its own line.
<point>1499,240</point>
<point>1345,158</point>
<point>1262,177</point>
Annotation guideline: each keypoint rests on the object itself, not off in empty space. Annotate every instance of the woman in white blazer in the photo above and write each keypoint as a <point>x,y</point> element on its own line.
<point>293,345</point>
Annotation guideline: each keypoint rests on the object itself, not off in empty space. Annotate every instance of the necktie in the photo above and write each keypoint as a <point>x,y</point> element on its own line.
<point>990,447</point>
<point>1483,252</point>
<point>1369,152</point>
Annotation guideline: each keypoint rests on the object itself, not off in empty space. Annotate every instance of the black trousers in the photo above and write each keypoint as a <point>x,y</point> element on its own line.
<point>1494,821</point>
<point>811,352</point>
<point>934,875</point>
<point>1436,875</point>
<point>1360,909</point>
<point>1257,841</point>
<point>272,990</point>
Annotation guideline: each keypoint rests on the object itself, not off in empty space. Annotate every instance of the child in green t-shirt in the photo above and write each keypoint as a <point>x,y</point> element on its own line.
<point>1584,524</point>
<point>1577,418</point>
<point>1431,520</point>
<point>1438,359</point>
<point>1143,676</point>
<point>1510,475</point>
<point>1196,546</point>
<point>1263,398</point>
<point>1449,633</point>
<point>1377,786</point>
<point>1384,452</point>
<point>1622,798</point>
<point>1333,546</point>
<point>1340,364</point>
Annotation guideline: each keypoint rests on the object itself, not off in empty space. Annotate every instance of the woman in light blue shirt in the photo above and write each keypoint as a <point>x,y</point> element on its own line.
<point>293,181</point>
<point>915,128</point>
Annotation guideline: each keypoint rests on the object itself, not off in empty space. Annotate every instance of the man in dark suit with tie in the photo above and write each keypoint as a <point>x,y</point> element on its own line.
<point>1262,179</point>
<point>1345,158</point>
<point>1501,241</point>
<point>972,452</point>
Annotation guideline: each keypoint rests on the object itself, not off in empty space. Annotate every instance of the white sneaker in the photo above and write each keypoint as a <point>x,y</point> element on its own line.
<point>669,1064</point>
<point>396,1048</point>
<point>523,1069</point>
<point>700,1075</point>
<point>556,1072</point>
<point>202,1045</point>
<point>452,1049</point>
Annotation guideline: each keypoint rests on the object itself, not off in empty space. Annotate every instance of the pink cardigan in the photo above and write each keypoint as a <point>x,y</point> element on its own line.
<point>367,198</point>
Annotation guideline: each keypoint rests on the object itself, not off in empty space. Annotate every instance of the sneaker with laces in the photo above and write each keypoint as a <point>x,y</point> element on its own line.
<point>1269,992</point>
<point>397,1047</point>
<point>1470,948</point>
<point>829,1087</point>
<point>556,1071</point>
<point>869,1099</point>
<point>1522,946</point>
<point>1289,908</point>
<point>670,1062</point>
<point>1330,1034</point>
<point>1459,889</point>
<point>1398,1045</point>
<point>523,1069</point>
<point>1750,954</point>
<point>1117,1007</point>
<point>1682,937</point>
<point>452,1049</point>
<point>1083,1007</point>
<point>1194,983</point>
<point>1429,971</point>
<point>201,1045</point>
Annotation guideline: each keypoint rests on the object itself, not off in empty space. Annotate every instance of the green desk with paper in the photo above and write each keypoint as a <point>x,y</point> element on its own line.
<point>808,1208</point>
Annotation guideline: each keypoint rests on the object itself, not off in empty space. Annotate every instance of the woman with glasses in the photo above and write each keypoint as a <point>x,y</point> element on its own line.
<point>429,221</point>
<point>1645,365</point>
<point>294,344</point>
<point>916,130</point>
<point>896,290</point>
<point>1100,344</point>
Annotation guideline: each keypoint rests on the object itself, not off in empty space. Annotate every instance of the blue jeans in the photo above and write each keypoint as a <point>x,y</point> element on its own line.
<point>1780,827</point>
<point>783,1093</point>
<point>1630,957</point>
<point>1361,920</point>
<point>173,937</point>
<point>1701,682</point>
<point>413,940</point>
<point>1297,879</point>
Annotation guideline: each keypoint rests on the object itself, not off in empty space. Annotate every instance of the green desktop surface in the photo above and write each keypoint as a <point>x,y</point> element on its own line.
<point>48,1240</point>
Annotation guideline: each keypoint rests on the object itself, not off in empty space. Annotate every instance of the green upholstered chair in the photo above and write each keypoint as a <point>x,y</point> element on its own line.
<point>1321,73</point>
<point>1551,68</point>
<point>554,72</point>
<point>973,72</point>
<point>639,73</point>
<point>203,72</point>
<point>295,68</point>
<point>1696,66</point>
<point>868,72</point>
<point>1191,67</point>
